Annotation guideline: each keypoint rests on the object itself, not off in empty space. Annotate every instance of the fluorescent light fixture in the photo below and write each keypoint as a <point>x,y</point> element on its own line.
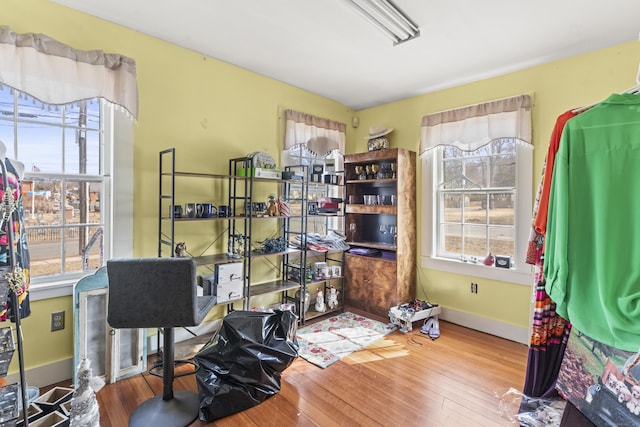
<point>388,18</point>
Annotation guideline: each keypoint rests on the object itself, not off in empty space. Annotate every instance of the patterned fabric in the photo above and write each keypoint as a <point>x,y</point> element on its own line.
<point>13,213</point>
<point>550,332</point>
<point>326,342</point>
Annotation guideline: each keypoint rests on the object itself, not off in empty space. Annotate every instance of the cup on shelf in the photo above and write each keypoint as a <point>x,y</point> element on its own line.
<point>204,210</point>
<point>384,200</point>
<point>370,199</point>
<point>177,211</point>
<point>394,200</point>
<point>353,228</point>
<point>190,210</point>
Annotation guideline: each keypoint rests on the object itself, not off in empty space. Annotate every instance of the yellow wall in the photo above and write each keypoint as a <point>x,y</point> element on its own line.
<point>212,111</point>
<point>556,87</point>
<point>209,110</point>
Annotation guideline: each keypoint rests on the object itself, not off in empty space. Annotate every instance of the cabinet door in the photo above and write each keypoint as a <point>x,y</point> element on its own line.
<point>370,284</point>
<point>114,353</point>
<point>94,342</point>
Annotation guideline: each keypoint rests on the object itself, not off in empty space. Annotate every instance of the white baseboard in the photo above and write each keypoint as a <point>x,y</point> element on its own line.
<point>488,326</point>
<point>62,370</point>
<point>45,375</point>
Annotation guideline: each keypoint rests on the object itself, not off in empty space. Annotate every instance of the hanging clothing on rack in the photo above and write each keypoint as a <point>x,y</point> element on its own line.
<point>592,245</point>
<point>550,332</point>
<point>14,217</point>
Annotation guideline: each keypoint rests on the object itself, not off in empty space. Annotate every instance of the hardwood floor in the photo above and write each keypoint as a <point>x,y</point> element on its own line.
<point>403,380</point>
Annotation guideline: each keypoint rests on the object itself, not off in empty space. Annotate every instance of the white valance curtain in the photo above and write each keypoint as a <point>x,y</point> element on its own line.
<point>55,73</point>
<point>320,136</point>
<point>469,128</point>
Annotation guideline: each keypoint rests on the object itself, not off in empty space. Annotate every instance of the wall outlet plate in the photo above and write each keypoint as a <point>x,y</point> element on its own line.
<point>57,321</point>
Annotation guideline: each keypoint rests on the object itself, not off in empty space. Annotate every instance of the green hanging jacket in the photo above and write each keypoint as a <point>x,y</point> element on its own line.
<point>592,256</point>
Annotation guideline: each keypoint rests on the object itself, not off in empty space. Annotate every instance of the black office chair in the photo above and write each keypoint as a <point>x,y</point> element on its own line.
<point>158,293</point>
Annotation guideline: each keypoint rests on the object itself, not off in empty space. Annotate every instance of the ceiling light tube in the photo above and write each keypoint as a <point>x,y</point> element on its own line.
<point>374,21</point>
<point>399,17</point>
<point>388,18</point>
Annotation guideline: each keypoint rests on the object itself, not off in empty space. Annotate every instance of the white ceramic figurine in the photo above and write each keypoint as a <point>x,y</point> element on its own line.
<point>320,307</point>
<point>332,298</point>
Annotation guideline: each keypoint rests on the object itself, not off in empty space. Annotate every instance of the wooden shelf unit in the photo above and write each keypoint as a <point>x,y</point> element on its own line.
<point>395,266</point>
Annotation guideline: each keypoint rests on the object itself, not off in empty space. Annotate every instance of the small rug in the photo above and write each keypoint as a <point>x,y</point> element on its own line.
<point>330,340</point>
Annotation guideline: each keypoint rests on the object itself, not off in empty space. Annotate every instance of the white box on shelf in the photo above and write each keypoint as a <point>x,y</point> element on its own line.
<point>228,282</point>
<point>229,272</point>
<point>261,173</point>
<point>229,291</point>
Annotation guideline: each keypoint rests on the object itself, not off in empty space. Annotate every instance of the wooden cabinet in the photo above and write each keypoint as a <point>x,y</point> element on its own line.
<point>380,268</point>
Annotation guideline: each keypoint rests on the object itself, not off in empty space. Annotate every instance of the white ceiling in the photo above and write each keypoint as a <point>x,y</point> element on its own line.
<point>325,47</point>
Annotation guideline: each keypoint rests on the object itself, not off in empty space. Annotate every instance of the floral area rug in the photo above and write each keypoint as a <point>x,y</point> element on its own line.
<point>330,340</point>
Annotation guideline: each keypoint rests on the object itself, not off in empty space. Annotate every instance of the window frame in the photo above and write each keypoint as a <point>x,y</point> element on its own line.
<point>521,273</point>
<point>117,199</point>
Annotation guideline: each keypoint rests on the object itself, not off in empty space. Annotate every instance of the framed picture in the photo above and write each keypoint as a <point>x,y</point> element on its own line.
<point>312,209</point>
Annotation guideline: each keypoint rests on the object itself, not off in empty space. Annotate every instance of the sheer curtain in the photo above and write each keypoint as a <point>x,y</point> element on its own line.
<point>55,73</point>
<point>316,136</point>
<point>309,139</point>
<point>469,128</point>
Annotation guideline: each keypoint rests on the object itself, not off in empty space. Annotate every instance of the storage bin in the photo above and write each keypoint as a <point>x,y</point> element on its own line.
<point>53,419</point>
<point>53,398</point>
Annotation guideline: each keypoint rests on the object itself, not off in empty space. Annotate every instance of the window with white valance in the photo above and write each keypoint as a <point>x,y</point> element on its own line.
<point>469,128</point>
<point>477,180</point>
<point>307,136</point>
<point>312,140</point>
<point>58,74</point>
<point>67,115</point>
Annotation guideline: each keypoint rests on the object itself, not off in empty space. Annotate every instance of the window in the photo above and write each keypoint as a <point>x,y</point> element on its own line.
<point>477,194</point>
<point>67,152</point>
<point>78,181</point>
<point>310,140</point>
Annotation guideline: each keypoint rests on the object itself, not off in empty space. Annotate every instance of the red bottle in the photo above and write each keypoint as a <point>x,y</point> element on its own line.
<point>489,260</point>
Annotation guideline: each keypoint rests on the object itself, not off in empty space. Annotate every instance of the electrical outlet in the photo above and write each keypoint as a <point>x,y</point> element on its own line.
<point>57,321</point>
<point>474,288</point>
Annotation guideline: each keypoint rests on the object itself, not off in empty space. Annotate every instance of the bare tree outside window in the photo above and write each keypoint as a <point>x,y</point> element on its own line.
<point>476,200</point>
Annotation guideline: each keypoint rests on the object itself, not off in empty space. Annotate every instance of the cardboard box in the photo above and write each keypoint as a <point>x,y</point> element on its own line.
<point>228,282</point>
<point>503,261</point>
<point>261,173</point>
<point>230,272</point>
<point>330,165</point>
<point>229,291</point>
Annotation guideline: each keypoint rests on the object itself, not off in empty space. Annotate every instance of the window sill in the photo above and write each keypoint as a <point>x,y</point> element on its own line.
<point>47,290</point>
<point>519,277</point>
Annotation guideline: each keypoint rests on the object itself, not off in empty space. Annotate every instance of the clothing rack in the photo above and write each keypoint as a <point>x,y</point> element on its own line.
<point>634,89</point>
<point>15,278</point>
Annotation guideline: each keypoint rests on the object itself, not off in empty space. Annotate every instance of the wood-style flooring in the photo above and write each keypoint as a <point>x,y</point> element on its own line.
<point>402,380</point>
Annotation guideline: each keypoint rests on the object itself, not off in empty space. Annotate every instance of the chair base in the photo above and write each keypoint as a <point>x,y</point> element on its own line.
<point>180,411</point>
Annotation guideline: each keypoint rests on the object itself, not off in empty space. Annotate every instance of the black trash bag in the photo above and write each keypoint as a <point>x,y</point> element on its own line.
<point>241,365</point>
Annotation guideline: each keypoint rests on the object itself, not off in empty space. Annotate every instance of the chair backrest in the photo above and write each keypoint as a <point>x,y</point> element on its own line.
<point>154,293</point>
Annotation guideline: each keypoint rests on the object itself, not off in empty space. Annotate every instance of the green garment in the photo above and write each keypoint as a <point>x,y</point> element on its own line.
<point>592,257</point>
